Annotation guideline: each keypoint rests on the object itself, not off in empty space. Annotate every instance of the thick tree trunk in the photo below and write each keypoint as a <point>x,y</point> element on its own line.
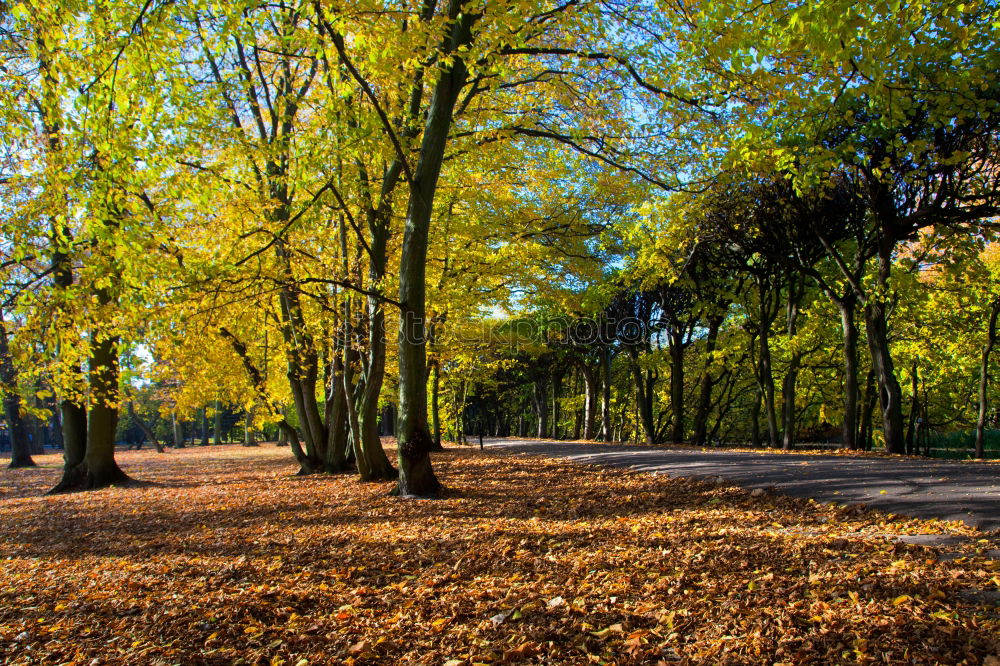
<point>177,430</point>
<point>336,419</point>
<point>100,459</point>
<point>644,401</point>
<point>311,406</point>
<point>850,331</point>
<point>706,384</point>
<point>74,431</point>
<point>788,403</point>
<point>877,329</point>
<point>416,476</point>
<point>298,400</point>
<point>984,378</point>
<point>889,393</point>
<point>377,466</point>
<point>20,449</point>
<point>98,467</point>
<point>249,437</point>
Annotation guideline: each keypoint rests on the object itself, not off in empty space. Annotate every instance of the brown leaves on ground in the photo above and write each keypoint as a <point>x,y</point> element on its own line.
<point>224,557</point>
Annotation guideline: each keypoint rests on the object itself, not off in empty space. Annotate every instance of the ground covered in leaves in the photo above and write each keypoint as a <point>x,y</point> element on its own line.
<point>222,556</point>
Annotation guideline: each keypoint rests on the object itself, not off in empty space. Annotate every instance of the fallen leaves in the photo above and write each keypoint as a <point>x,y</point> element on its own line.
<point>224,557</point>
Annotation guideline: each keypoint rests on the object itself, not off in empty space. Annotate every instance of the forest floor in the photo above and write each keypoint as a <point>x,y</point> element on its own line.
<point>913,486</point>
<point>221,556</point>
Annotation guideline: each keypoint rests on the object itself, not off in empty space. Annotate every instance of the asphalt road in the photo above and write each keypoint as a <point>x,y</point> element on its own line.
<point>949,490</point>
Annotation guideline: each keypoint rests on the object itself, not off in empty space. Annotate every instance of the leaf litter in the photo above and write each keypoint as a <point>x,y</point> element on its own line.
<point>222,556</point>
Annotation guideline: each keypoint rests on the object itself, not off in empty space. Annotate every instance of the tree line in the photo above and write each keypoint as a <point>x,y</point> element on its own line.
<point>300,211</point>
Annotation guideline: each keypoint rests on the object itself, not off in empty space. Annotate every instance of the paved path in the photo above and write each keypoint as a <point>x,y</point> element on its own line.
<point>928,489</point>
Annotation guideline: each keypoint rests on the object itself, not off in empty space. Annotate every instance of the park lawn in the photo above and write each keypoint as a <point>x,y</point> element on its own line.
<point>222,556</point>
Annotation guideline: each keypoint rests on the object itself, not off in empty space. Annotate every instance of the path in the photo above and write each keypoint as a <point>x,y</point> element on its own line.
<point>949,490</point>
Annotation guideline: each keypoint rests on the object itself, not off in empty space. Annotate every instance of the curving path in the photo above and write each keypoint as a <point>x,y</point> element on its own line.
<point>949,490</point>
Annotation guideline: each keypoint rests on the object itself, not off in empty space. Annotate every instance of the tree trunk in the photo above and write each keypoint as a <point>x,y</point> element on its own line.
<point>20,450</point>
<point>293,439</point>
<point>302,357</point>
<point>98,467</point>
<point>435,406</point>
<point>984,378</point>
<point>353,422</point>
<point>542,407</point>
<point>788,403</point>
<point>74,415</point>
<point>557,378</point>
<point>676,343</point>
<point>850,331</point>
<point>706,383</point>
<point>868,410</point>
<point>911,418</point>
<point>606,432</point>
<point>249,438</point>
<point>767,383</point>
<point>146,430</point>
<point>889,394</point>
<point>336,420</point>
<point>177,431</point>
<point>755,438</point>
<point>102,470</point>
<point>204,426</point>
<point>589,400</point>
<point>416,476</point>
<point>377,466</point>
<point>218,422</point>
<point>644,401</point>
<point>795,290</point>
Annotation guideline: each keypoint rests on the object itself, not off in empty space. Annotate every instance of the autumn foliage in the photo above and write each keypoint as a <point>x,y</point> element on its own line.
<point>223,556</point>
